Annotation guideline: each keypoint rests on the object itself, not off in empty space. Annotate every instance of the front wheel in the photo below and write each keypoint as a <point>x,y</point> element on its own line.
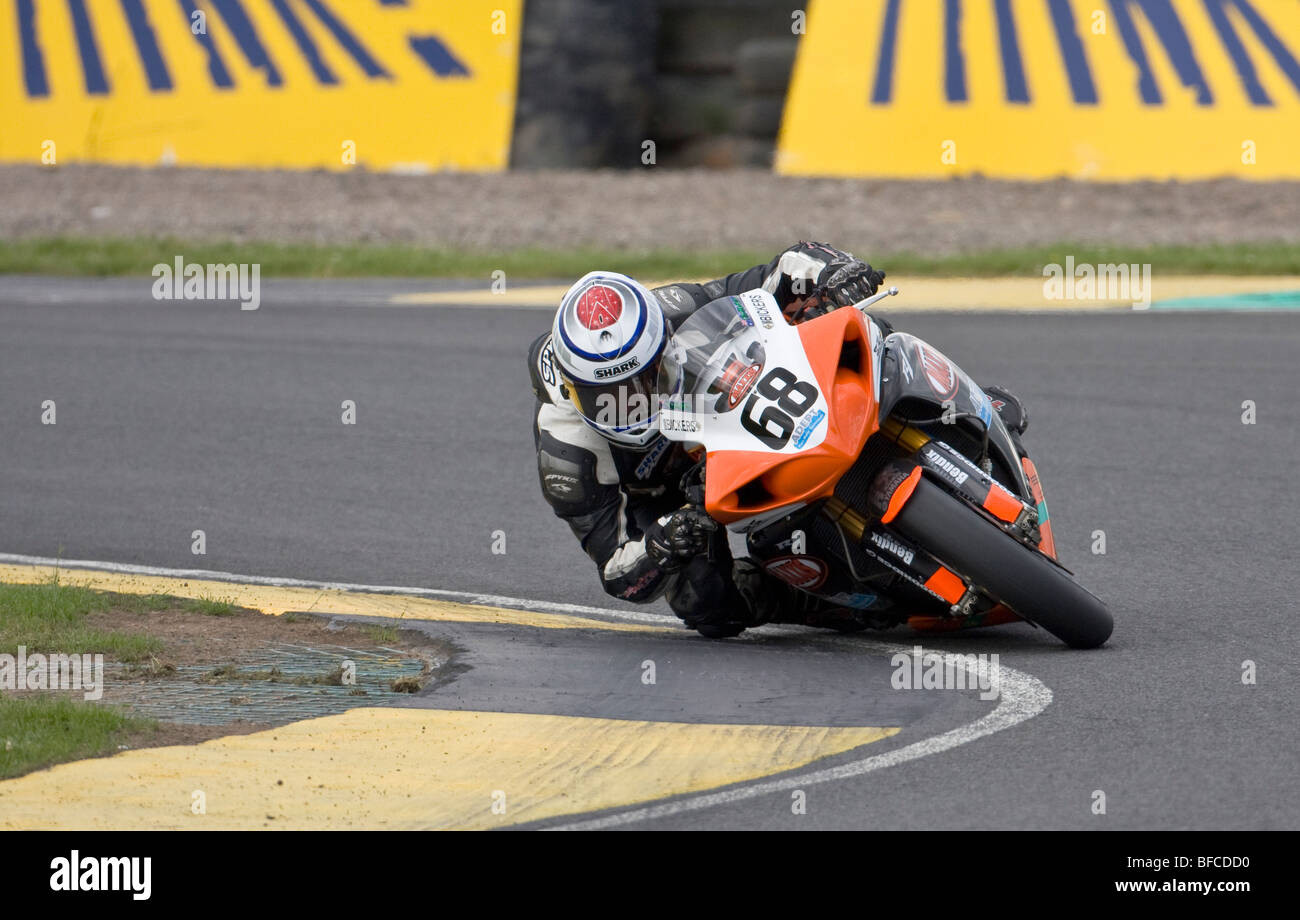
<point>1021,578</point>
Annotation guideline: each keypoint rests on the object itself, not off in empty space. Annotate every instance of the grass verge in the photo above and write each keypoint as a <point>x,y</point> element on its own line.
<point>137,256</point>
<point>51,616</point>
<point>155,636</point>
<point>37,730</point>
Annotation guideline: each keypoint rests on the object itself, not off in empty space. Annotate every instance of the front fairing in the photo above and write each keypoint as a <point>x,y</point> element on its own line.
<point>918,382</point>
<point>781,410</point>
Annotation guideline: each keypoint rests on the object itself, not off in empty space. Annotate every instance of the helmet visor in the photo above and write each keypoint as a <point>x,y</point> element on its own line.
<point>623,406</point>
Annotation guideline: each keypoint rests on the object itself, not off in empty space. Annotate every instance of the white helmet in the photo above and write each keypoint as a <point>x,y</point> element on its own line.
<point>608,337</point>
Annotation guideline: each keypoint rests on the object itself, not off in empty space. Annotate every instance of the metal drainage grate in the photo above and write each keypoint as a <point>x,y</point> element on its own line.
<point>247,690</point>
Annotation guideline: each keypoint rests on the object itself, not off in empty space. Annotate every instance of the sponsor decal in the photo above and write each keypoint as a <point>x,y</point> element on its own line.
<point>905,365</point>
<point>939,371</point>
<point>603,373</point>
<point>599,306</point>
<point>741,311</point>
<point>755,300</point>
<point>804,572</point>
<point>884,486</point>
<point>651,459</point>
<point>807,426</point>
<point>677,423</point>
<point>954,472</point>
<point>742,384</point>
<point>560,484</point>
<point>983,405</point>
<point>546,364</point>
<point>736,380</point>
<point>877,342</point>
<point>892,546</point>
<point>641,584</point>
<point>672,296</point>
<point>856,601</point>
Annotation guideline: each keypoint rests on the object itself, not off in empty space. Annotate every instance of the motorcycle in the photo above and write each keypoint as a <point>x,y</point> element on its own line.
<point>867,469</point>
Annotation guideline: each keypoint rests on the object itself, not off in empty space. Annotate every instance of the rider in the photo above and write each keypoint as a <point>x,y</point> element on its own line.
<point>607,471</point>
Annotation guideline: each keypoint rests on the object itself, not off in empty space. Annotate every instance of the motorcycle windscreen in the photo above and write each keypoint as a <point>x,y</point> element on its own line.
<point>734,376</point>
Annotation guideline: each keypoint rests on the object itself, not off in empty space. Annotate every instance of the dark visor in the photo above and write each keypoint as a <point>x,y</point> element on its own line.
<point>621,405</point>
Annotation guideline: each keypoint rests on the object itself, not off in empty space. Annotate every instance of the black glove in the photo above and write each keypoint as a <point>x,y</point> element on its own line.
<point>677,538</point>
<point>821,278</point>
<point>847,279</point>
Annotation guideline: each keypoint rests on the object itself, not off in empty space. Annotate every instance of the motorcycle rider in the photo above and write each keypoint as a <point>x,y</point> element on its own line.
<point>606,470</point>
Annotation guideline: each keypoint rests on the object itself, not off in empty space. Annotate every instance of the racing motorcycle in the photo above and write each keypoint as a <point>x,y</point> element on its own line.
<point>867,469</point>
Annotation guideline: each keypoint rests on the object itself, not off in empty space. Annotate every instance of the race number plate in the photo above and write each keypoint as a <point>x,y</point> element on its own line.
<point>782,411</point>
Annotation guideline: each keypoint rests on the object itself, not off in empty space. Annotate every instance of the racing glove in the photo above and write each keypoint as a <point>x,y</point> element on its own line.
<point>820,271</point>
<point>847,279</point>
<point>677,538</point>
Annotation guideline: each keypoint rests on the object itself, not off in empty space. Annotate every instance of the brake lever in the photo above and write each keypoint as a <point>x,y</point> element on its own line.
<point>879,295</point>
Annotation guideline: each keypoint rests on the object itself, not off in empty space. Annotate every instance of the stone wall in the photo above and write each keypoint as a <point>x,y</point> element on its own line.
<point>704,80</point>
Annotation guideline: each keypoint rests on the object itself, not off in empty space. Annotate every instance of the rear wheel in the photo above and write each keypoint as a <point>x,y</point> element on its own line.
<point>1021,578</point>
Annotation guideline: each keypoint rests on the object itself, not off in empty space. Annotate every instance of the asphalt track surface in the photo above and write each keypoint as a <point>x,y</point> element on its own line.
<point>176,416</point>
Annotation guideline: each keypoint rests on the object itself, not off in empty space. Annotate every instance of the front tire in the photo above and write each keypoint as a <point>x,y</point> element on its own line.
<point>1021,578</point>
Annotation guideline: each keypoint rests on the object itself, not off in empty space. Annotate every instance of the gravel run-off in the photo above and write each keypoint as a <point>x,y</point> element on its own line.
<point>634,210</point>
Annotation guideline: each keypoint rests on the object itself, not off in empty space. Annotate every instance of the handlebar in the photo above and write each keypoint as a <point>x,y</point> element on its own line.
<point>879,295</point>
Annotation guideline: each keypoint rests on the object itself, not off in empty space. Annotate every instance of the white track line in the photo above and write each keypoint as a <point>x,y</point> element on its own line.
<point>1022,695</point>
<point>463,597</point>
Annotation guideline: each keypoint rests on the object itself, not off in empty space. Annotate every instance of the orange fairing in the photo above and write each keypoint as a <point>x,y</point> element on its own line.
<point>1047,541</point>
<point>741,483</point>
<point>1002,504</point>
<point>947,585</point>
<point>995,616</point>
<point>901,495</point>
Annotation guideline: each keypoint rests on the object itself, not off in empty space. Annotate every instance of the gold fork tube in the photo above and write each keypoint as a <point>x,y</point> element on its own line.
<point>911,438</point>
<point>853,522</point>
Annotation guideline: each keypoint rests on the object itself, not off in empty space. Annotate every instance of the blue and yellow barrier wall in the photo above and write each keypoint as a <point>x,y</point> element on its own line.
<point>1090,89</point>
<point>1026,89</point>
<point>388,84</point>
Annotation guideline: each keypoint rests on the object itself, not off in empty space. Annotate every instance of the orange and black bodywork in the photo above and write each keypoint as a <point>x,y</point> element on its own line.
<point>742,484</point>
<point>1048,543</point>
<point>884,446</point>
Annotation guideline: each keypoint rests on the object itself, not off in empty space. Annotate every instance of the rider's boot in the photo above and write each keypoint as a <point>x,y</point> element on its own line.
<point>771,600</point>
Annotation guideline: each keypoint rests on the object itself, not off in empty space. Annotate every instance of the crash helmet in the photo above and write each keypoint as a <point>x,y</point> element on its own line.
<point>608,337</point>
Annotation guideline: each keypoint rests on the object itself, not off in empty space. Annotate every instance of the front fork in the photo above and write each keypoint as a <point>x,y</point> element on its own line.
<point>956,473</point>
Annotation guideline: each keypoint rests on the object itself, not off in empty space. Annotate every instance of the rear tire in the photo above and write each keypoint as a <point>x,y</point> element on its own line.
<point>1021,578</point>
